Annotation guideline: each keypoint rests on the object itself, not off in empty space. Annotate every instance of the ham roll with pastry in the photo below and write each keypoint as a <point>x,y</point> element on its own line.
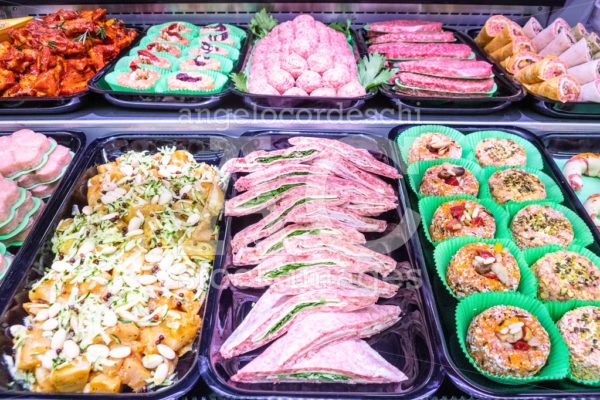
<point>492,28</point>
<point>577,54</point>
<point>585,73</point>
<point>548,68</point>
<point>562,88</point>
<point>519,61</point>
<point>546,36</point>
<point>592,206</point>
<point>532,28</point>
<point>582,164</point>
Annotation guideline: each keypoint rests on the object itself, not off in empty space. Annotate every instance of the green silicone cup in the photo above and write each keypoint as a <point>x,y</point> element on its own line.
<point>582,234</point>
<point>557,365</point>
<point>36,205</point>
<point>237,40</point>
<point>553,191</point>
<point>557,310</point>
<point>232,53</point>
<point>58,177</point>
<point>407,137</point>
<point>470,57</point>
<point>155,30</point>
<point>19,174</point>
<point>428,206</point>
<point>226,64</point>
<point>112,80</point>
<point>220,81</point>
<point>445,251</point>
<point>417,170</point>
<point>13,208</point>
<point>234,30</point>
<point>488,94</point>
<point>534,158</point>
<point>123,64</point>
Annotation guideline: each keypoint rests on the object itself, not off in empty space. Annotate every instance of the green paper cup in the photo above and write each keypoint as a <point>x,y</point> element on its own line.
<point>445,251</point>
<point>407,137</point>
<point>123,64</point>
<point>226,64</point>
<point>234,30</point>
<point>43,162</point>
<point>210,37</point>
<point>428,206</point>
<point>417,170</point>
<point>14,244</point>
<point>155,30</point>
<point>534,158</point>
<point>553,191</point>
<point>112,79</point>
<point>401,87</point>
<point>220,81</point>
<point>232,53</point>
<point>36,205</point>
<point>13,208</point>
<point>557,365</point>
<point>582,234</point>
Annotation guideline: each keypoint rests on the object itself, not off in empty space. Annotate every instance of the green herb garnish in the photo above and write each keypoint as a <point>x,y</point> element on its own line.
<point>293,154</point>
<point>316,376</point>
<point>51,44</point>
<point>101,33</point>
<point>262,23</point>
<point>372,71</point>
<point>344,27</point>
<point>287,268</point>
<point>288,317</point>
<point>261,198</point>
<point>240,81</point>
<point>279,245</point>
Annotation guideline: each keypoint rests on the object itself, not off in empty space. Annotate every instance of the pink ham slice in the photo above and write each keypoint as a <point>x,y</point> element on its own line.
<point>317,330</point>
<point>260,159</point>
<point>422,50</point>
<point>417,81</point>
<point>404,26</point>
<point>365,366</point>
<point>9,194</point>
<point>414,37</point>
<point>58,159</point>
<point>44,191</point>
<point>25,232</point>
<point>22,151</point>
<point>448,68</point>
<point>20,213</point>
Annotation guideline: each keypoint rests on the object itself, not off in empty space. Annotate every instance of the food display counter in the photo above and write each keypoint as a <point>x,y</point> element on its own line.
<point>299,200</point>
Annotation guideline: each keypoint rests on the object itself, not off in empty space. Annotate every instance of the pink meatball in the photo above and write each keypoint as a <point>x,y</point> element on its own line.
<point>304,19</point>
<point>261,87</point>
<point>351,89</point>
<point>302,46</point>
<point>309,81</point>
<point>324,92</point>
<point>336,76</point>
<point>294,64</point>
<point>281,80</point>
<point>320,62</point>
<point>295,91</point>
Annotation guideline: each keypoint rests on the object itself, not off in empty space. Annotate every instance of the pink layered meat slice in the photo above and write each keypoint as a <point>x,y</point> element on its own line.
<point>361,158</point>
<point>422,50</point>
<point>20,213</point>
<point>22,151</point>
<point>414,37</point>
<point>9,194</point>
<point>364,366</point>
<point>263,324</point>
<point>331,278</point>
<point>448,68</point>
<point>58,159</point>
<point>314,331</point>
<point>401,25</point>
<point>43,191</point>
<point>417,81</point>
<point>343,215</point>
<point>25,232</point>
<point>275,172</point>
<point>260,159</point>
<point>274,243</point>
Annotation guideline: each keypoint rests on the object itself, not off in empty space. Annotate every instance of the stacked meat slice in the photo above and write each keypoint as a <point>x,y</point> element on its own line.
<point>18,212</point>
<point>318,198</point>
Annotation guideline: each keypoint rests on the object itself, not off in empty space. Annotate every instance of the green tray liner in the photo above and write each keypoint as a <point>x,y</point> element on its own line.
<point>226,63</point>
<point>155,29</point>
<point>206,38</point>
<point>57,178</point>
<point>239,32</point>
<point>19,174</point>
<point>582,234</point>
<point>232,53</point>
<point>557,365</point>
<point>428,206</point>
<point>112,78</point>
<point>13,208</point>
<point>220,82</point>
<point>534,157</point>
<point>489,94</point>
<point>36,205</point>
<point>123,64</point>
<point>416,171</point>
<point>553,191</point>
<point>445,251</point>
<point>471,57</point>
<point>407,137</point>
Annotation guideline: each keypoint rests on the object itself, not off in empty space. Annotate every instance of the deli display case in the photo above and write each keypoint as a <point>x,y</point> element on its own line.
<point>340,200</point>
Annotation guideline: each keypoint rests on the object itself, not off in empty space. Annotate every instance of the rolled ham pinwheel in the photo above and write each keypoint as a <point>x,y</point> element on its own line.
<point>594,42</point>
<point>518,45</point>
<point>541,71</point>
<point>532,28</point>
<point>544,38</point>
<point>579,31</point>
<point>509,33</point>
<point>517,62</point>
<point>577,54</point>
<point>585,73</point>
<point>493,26</point>
<point>590,92</point>
<point>562,88</point>
<point>562,42</point>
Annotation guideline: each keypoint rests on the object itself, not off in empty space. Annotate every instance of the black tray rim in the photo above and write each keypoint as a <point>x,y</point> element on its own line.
<point>454,373</point>
<point>437,372</point>
<point>199,101</point>
<point>48,218</point>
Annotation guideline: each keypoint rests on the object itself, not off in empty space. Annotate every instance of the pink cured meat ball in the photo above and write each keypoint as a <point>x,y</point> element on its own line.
<point>281,80</point>
<point>302,46</point>
<point>261,87</point>
<point>295,91</point>
<point>320,62</point>
<point>309,81</point>
<point>304,19</point>
<point>324,92</point>
<point>294,64</point>
<point>336,77</point>
<point>351,89</point>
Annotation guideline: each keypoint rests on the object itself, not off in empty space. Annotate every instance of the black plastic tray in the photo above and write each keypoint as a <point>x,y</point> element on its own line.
<point>161,101</point>
<point>36,253</point>
<point>458,368</point>
<point>310,104</point>
<point>508,92</point>
<point>411,344</point>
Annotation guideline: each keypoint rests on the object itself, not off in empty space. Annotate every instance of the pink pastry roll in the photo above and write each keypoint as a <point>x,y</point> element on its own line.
<point>590,92</point>
<point>532,28</point>
<point>579,31</point>
<point>563,41</point>
<point>577,54</point>
<point>585,73</point>
<point>544,38</point>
